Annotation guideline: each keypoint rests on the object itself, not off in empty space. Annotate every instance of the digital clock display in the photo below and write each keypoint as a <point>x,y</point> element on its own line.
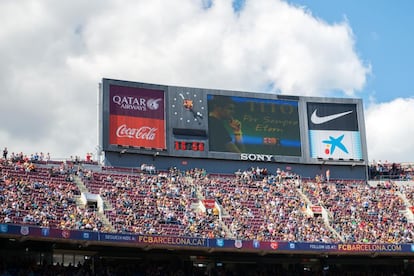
<point>189,145</point>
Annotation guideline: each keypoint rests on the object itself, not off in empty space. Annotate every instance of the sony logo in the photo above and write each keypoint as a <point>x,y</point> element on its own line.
<point>256,157</point>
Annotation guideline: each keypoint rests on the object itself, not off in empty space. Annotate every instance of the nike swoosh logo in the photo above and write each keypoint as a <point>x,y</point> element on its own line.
<point>320,120</point>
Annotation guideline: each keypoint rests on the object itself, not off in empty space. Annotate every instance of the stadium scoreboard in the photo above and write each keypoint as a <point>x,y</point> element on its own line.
<point>190,122</point>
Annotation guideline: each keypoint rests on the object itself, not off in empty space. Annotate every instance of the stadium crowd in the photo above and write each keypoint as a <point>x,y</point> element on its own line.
<point>363,213</point>
<point>263,206</point>
<point>250,204</point>
<point>387,170</point>
<point>42,195</point>
<point>253,204</point>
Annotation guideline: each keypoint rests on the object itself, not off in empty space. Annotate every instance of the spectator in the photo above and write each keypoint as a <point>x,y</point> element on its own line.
<point>5,152</point>
<point>88,157</point>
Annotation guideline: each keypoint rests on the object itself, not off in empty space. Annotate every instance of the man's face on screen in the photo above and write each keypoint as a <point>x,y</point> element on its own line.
<point>227,112</point>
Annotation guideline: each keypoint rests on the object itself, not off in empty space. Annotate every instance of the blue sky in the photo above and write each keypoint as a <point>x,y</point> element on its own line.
<point>54,54</point>
<point>383,37</point>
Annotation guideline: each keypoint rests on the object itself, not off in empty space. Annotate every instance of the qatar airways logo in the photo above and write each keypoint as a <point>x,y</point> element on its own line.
<point>142,133</point>
<point>133,103</point>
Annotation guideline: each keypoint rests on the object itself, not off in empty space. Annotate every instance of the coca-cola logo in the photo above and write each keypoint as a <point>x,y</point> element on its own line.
<point>142,133</point>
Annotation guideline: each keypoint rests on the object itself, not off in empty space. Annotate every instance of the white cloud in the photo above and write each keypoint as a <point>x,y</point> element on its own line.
<point>54,54</point>
<point>390,130</point>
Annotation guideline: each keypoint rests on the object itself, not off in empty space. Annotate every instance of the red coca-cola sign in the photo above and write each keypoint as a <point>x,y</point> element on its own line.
<point>137,132</point>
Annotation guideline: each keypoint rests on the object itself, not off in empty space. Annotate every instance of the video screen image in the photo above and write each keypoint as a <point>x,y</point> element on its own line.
<point>251,125</point>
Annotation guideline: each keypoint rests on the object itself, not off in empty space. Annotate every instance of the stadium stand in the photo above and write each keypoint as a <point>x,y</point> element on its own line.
<point>249,205</point>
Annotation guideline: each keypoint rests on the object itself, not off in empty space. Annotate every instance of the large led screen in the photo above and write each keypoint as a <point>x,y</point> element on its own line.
<point>250,125</point>
<point>136,117</point>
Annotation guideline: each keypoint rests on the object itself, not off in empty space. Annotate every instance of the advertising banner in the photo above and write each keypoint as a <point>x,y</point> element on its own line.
<point>209,203</point>
<point>334,131</point>
<point>148,240</point>
<point>137,132</point>
<point>316,209</point>
<point>335,144</point>
<point>137,117</point>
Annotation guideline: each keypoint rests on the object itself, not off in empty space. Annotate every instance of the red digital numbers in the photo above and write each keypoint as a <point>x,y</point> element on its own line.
<point>185,145</point>
<point>200,146</point>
